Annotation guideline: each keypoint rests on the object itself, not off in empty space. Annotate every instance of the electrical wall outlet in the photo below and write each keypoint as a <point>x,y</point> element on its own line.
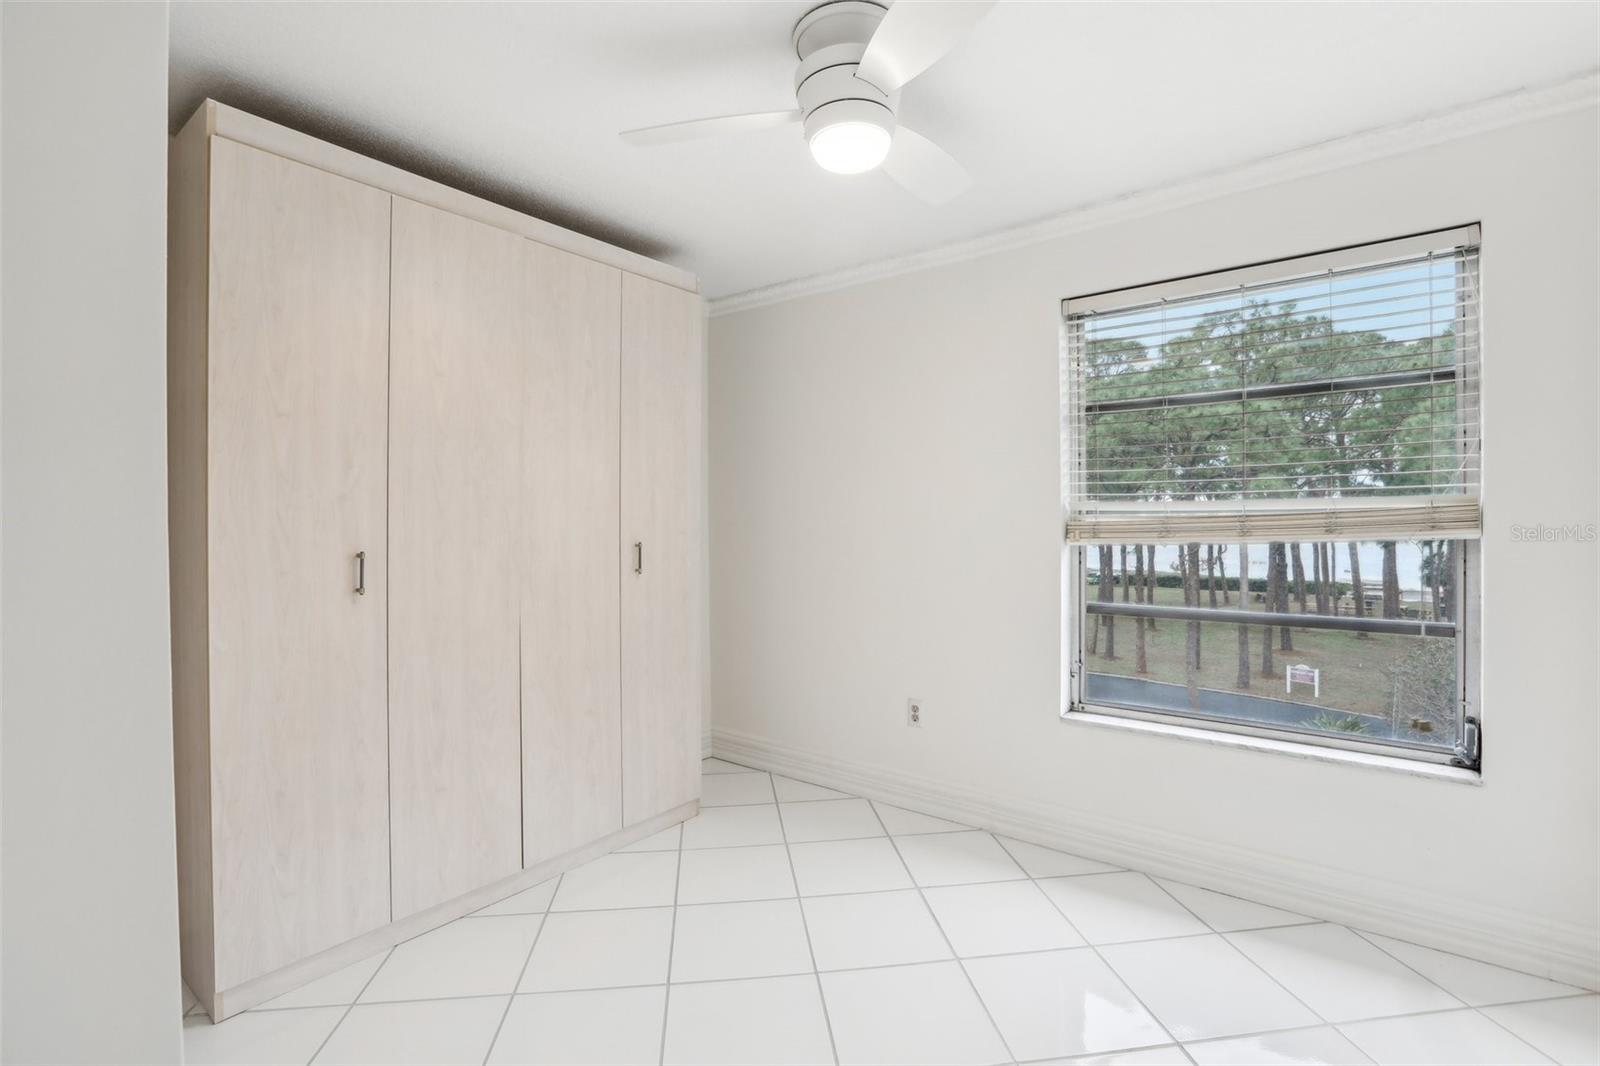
<point>914,712</point>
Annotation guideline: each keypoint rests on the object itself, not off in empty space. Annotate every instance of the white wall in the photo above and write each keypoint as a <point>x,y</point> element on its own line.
<point>886,523</point>
<point>89,932</point>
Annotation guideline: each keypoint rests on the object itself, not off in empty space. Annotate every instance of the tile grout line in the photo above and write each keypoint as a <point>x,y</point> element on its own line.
<point>1460,1006</point>
<point>1492,1020</point>
<point>840,798</point>
<point>889,966</point>
<point>728,762</point>
<point>1274,1032</point>
<point>860,892</point>
<point>1367,935</point>
<point>1335,1027</point>
<point>527,960</point>
<point>899,966</point>
<point>1578,992</point>
<point>1324,1022</point>
<point>1269,975</point>
<point>1340,1026</point>
<point>1469,1006</point>
<point>352,1005</point>
<point>1112,970</point>
<point>923,896</point>
<point>1393,1017</point>
<point>672,944</point>
<point>1210,931</point>
<point>1228,938</point>
<point>805,925</point>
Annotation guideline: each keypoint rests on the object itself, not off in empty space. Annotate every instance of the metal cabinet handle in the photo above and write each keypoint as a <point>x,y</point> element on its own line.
<point>361,573</point>
<point>638,556</point>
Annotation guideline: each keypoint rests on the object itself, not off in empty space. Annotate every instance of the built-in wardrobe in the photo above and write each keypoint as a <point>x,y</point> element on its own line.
<point>436,506</point>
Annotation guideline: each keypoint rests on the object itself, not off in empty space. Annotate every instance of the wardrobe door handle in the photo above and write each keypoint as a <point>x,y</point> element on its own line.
<point>638,556</point>
<point>361,573</point>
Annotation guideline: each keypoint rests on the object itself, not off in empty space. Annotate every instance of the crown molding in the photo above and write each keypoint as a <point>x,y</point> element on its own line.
<point>1522,105</point>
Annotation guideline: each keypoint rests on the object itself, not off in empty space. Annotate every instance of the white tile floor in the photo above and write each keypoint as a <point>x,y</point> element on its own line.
<point>790,923</point>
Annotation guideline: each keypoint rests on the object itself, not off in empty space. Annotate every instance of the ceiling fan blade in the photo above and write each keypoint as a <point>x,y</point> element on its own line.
<point>913,36</point>
<point>719,126</point>
<point>924,169</point>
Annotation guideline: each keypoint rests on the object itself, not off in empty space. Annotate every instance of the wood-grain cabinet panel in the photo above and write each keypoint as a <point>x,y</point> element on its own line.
<point>297,353</point>
<point>571,636</point>
<point>457,355</point>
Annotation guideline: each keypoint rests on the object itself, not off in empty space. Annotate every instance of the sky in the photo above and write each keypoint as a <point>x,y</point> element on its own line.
<point>1408,558</point>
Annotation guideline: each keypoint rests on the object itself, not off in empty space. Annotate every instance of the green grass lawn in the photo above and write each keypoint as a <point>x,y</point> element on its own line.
<point>1357,673</point>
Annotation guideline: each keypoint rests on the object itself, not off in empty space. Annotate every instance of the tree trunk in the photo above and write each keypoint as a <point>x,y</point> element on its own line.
<point>1285,634</point>
<point>1330,598</point>
<point>1391,581</point>
<point>1316,581</point>
<point>1093,620</point>
<point>1222,569</point>
<point>1138,628</point>
<point>1243,680</point>
<point>1330,595</point>
<point>1299,577</point>
<point>1328,567</point>
<point>1191,596</point>
<point>1452,560</point>
<point>1211,572</point>
<point>1436,575</point>
<point>1108,593</point>
<point>1358,594</point>
<point>1269,603</point>
<point>1189,555</point>
<point>1330,587</point>
<point>1150,581</point>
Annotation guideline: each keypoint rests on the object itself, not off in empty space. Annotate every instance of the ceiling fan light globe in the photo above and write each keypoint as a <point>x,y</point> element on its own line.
<point>850,147</point>
<point>849,136</point>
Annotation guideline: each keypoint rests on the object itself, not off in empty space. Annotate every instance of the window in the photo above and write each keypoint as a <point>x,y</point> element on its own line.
<point>1271,482</point>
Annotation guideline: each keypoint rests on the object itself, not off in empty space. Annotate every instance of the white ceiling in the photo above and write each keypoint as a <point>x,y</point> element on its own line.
<point>1051,106</point>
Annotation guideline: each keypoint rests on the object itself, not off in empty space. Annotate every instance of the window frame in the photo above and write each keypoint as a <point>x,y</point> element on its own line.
<point>1467,749</point>
<point>1466,753</point>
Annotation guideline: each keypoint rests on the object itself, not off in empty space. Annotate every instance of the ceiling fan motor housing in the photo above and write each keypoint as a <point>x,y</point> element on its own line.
<point>830,41</point>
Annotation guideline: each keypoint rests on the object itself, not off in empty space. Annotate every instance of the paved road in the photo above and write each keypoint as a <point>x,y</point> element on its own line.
<point>1161,696</point>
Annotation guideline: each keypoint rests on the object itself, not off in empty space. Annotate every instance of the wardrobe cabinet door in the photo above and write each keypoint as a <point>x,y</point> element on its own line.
<point>298,326</point>
<point>459,340</point>
<point>571,694</point>
<point>661,534</point>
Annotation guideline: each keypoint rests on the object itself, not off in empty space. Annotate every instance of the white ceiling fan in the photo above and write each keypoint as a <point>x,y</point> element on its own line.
<point>854,57</point>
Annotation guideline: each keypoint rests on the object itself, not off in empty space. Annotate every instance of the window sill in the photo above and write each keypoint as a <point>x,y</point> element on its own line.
<point>1090,716</point>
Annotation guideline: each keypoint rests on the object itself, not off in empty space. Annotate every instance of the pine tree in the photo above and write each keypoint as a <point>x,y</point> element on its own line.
<point>1391,581</point>
<point>1107,595</point>
<point>1358,592</point>
<point>1271,604</point>
<point>1285,634</point>
<point>1243,678</point>
<point>1299,576</point>
<point>1138,630</point>
<point>1191,596</point>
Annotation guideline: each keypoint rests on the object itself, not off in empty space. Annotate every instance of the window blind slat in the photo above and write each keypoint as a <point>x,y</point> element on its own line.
<point>1349,263</point>
<point>1274,403</point>
<point>1441,517</point>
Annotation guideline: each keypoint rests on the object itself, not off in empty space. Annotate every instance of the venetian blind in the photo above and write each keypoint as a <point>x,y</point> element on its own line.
<point>1328,397</point>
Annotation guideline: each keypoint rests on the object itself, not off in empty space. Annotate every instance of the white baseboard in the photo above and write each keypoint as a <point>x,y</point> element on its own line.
<point>1510,937</point>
